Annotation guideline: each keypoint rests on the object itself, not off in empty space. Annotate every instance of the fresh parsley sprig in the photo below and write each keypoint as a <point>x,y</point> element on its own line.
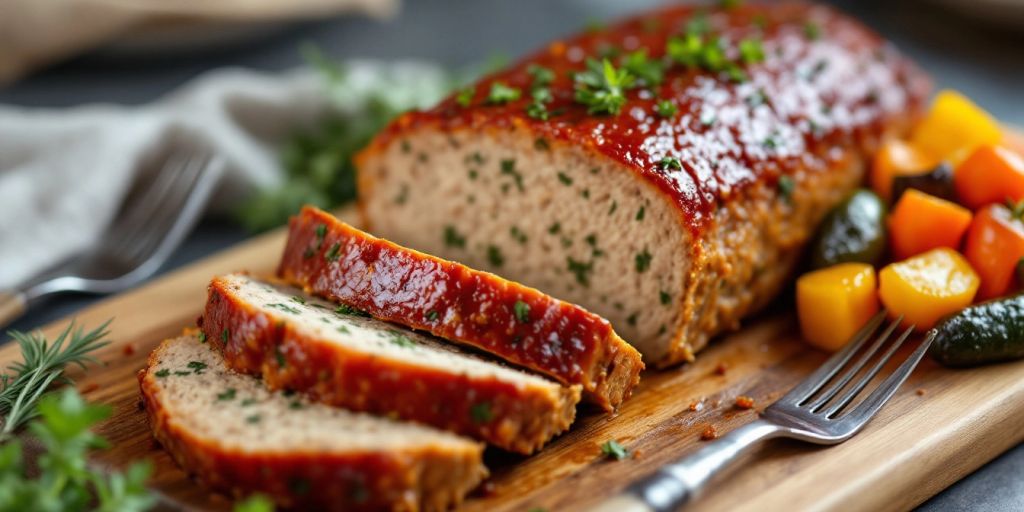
<point>602,88</point>
<point>42,365</point>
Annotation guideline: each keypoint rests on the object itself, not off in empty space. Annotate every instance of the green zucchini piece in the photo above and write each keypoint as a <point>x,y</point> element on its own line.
<point>938,182</point>
<point>989,332</point>
<point>854,231</point>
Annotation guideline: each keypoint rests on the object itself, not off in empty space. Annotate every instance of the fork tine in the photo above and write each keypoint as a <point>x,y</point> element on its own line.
<point>867,409</point>
<point>160,223</point>
<point>140,210</point>
<point>859,386</point>
<point>849,372</point>
<point>820,377</point>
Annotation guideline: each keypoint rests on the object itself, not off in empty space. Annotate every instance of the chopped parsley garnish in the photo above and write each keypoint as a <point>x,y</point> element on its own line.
<point>308,253</point>
<point>345,309</point>
<point>162,373</point>
<point>670,162</point>
<point>640,214</point>
<point>542,76</point>
<point>321,231</point>
<point>666,108</point>
<point>602,87</point>
<point>202,337</point>
<point>729,4</point>
<point>248,401</point>
<point>613,450</point>
<point>473,174</point>
<point>255,418</point>
<point>666,298</point>
<point>465,96</point>
<point>197,367</point>
<point>643,261</point>
<point>631,319</point>
<point>300,300</point>
<point>494,256</point>
<point>650,71</point>
<point>401,339</point>
<point>580,270</point>
<point>508,167</point>
<point>333,253</point>
<point>284,307</point>
<point>481,412</point>
<point>522,311</point>
<point>786,186</point>
<point>228,394</point>
<point>751,51</point>
<point>279,356</point>
<point>452,238</point>
<point>224,335</point>
<point>501,93</point>
<point>518,235</point>
<point>432,315</point>
<point>812,31</point>
<point>693,51</point>
<point>541,144</point>
<point>537,110</point>
<point>613,207</point>
<point>343,329</point>
<point>564,178</point>
<point>555,228</point>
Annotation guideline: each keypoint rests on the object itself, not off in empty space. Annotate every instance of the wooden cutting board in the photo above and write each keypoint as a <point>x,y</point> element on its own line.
<point>941,425</point>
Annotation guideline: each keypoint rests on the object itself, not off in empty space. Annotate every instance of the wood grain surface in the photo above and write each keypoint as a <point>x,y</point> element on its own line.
<point>940,426</point>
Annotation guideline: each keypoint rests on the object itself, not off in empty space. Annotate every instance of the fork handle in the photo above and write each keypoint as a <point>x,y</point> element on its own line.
<point>679,482</point>
<point>12,305</point>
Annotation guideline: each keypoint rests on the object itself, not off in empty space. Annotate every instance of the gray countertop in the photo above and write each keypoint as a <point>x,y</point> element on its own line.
<point>986,63</point>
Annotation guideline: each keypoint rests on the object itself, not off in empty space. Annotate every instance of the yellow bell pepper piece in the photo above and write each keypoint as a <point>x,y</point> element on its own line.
<point>928,286</point>
<point>834,302</point>
<point>954,127</point>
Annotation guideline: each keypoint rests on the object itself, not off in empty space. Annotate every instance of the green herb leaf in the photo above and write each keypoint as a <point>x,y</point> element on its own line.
<point>786,187</point>
<point>542,76</point>
<point>649,71</point>
<point>522,311</point>
<point>345,309</point>
<point>465,96</point>
<point>481,412</point>
<point>751,51</point>
<point>494,256</point>
<point>643,261</point>
<point>432,315</point>
<point>228,394</point>
<point>670,162</point>
<point>254,503</point>
<point>452,238</point>
<point>602,88</point>
<point>334,252</point>
<point>812,31</point>
<point>501,93</point>
<point>580,270</point>
<point>666,108</point>
<point>613,450</point>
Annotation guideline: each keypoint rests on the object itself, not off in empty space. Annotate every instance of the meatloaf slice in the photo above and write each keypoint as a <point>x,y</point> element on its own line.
<point>514,322</point>
<point>338,356</point>
<point>237,437</point>
<point>681,211</point>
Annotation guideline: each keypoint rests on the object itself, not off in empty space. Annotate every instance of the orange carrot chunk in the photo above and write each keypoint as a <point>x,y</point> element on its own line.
<point>995,245</point>
<point>992,174</point>
<point>898,158</point>
<point>920,222</point>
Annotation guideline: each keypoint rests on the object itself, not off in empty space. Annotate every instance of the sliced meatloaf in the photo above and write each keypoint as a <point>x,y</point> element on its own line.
<point>517,323</point>
<point>237,437</point>
<point>673,213</point>
<point>339,356</point>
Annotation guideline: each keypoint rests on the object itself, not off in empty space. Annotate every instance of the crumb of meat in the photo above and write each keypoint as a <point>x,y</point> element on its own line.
<point>920,392</point>
<point>721,369</point>
<point>697,405</point>
<point>709,433</point>
<point>128,350</point>
<point>744,402</point>
<point>716,403</point>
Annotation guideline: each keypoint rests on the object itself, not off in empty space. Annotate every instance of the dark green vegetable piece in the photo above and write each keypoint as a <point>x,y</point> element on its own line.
<point>985,333</point>
<point>937,182</point>
<point>854,231</point>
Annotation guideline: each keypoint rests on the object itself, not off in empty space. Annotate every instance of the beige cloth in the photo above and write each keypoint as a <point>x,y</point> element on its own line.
<point>37,32</point>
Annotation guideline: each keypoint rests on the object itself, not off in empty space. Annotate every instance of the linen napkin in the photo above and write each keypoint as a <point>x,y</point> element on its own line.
<point>65,172</point>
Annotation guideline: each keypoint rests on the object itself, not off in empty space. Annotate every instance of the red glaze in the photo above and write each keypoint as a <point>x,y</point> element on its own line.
<point>426,479</point>
<point>823,96</point>
<point>404,286</point>
<point>522,418</point>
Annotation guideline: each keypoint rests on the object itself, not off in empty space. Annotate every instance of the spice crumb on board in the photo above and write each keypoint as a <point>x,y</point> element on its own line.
<point>744,402</point>
<point>920,391</point>
<point>710,433</point>
<point>721,369</point>
<point>128,350</point>
<point>697,405</point>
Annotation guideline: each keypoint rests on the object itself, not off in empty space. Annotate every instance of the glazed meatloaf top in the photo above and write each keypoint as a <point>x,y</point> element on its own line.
<point>517,323</point>
<point>692,128</point>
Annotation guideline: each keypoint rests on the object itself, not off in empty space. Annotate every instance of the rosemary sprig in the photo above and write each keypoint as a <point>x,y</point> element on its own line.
<point>43,364</point>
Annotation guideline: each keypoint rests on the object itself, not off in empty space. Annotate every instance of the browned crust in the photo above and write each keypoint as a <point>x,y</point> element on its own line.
<point>431,478</point>
<point>455,302</point>
<point>516,417</point>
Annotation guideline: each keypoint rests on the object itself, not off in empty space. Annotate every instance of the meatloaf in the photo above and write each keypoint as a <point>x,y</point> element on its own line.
<point>519,324</point>
<point>664,172</point>
<point>237,437</point>
<point>339,356</point>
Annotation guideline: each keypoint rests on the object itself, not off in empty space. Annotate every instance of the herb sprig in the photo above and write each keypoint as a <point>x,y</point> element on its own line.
<point>43,364</point>
<point>602,88</point>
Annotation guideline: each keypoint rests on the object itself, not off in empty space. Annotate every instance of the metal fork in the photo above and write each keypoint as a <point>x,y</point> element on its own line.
<point>817,411</point>
<point>147,229</point>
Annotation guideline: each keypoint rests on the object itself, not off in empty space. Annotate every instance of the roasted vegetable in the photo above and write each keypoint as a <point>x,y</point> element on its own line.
<point>921,222</point>
<point>992,174</point>
<point>994,247</point>
<point>937,182</point>
<point>854,231</point>
<point>954,126</point>
<point>927,287</point>
<point>989,332</point>
<point>898,158</point>
<point>833,303</point>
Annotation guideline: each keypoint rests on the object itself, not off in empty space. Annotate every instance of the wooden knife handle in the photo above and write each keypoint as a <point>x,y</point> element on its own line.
<point>12,305</point>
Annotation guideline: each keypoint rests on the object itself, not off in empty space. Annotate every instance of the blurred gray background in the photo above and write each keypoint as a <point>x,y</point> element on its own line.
<point>982,59</point>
